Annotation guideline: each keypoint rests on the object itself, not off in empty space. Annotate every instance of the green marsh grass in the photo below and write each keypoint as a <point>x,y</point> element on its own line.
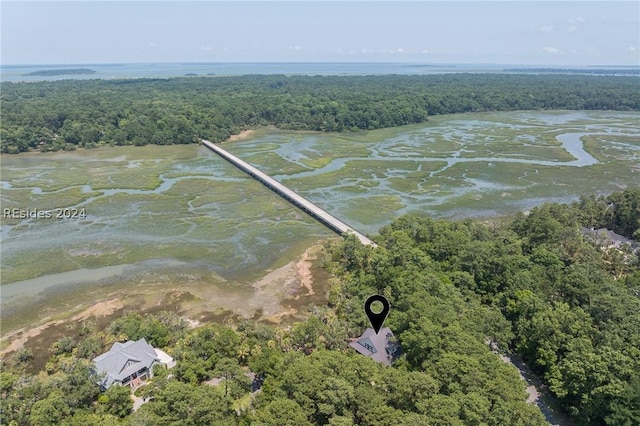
<point>216,218</point>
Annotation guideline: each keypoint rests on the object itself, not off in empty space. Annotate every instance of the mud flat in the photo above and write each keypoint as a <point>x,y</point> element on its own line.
<point>281,296</point>
<point>185,227</point>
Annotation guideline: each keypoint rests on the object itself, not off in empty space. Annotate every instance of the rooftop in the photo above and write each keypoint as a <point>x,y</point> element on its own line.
<point>124,359</point>
<point>382,347</point>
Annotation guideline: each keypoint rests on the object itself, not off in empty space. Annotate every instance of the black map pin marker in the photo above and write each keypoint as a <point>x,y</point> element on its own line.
<point>376,320</point>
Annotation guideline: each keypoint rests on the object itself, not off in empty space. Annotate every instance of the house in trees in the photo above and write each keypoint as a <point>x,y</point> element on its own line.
<point>129,364</point>
<point>609,239</point>
<point>382,346</point>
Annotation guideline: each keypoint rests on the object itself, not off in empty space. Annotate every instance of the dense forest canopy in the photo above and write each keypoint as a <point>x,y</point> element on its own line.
<point>71,113</point>
<point>538,285</point>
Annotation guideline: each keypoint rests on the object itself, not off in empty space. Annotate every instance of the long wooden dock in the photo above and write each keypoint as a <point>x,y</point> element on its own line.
<point>302,203</point>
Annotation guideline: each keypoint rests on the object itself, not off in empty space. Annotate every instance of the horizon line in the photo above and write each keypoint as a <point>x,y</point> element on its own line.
<point>414,63</point>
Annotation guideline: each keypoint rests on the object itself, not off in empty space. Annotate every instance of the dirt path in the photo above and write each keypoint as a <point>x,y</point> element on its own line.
<point>538,394</point>
<point>303,271</point>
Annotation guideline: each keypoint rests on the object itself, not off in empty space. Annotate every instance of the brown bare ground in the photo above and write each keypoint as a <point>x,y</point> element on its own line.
<point>303,270</point>
<point>18,338</point>
<point>245,134</point>
<point>279,296</point>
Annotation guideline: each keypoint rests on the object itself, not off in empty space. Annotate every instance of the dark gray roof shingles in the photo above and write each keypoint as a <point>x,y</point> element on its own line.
<point>114,362</point>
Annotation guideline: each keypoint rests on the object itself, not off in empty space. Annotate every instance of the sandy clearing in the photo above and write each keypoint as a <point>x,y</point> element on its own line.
<point>303,271</point>
<point>289,282</point>
<point>19,337</point>
<point>245,134</point>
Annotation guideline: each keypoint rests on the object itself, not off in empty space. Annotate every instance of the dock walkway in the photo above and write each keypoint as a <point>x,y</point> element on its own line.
<point>314,211</point>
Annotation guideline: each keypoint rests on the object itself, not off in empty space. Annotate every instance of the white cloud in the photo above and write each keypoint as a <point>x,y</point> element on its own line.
<point>631,48</point>
<point>294,48</point>
<point>552,50</point>
<point>400,51</point>
<point>547,28</point>
<point>205,48</point>
<point>575,23</point>
<point>403,51</point>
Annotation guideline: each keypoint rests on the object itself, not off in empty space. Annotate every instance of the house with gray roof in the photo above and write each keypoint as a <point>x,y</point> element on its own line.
<point>128,364</point>
<point>609,239</point>
<point>382,346</point>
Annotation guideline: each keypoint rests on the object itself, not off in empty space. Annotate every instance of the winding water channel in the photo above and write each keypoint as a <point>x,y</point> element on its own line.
<point>185,209</point>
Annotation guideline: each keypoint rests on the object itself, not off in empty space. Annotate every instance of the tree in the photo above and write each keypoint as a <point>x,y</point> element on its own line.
<point>117,401</point>
<point>78,384</point>
<point>234,377</point>
<point>63,346</point>
<point>49,411</point>
<point>268,361</point>
<point>23,355</point>
<point>185,404</point>
<point>625,410</point>
<point>280,412</point>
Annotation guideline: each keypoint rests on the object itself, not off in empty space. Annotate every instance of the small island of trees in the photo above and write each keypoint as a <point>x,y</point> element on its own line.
<point>64,71</point>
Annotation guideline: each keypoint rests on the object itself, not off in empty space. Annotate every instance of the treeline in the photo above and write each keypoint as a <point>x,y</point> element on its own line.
<point>307,374</point>
<point>572,303</point>
<point>536,285</point>
<point>630,71</point>
<point>86,113</point>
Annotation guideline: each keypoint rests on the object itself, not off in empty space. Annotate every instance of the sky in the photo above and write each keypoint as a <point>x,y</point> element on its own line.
<point>571,33</point>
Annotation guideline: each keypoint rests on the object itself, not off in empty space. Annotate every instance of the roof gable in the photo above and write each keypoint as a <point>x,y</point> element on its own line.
<point>124,359</point>
<point>381,346</point>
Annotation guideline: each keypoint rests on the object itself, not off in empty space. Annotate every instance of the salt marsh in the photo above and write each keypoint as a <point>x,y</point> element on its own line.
<point>179,209</point>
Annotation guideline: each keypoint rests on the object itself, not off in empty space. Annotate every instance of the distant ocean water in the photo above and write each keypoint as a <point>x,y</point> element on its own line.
<point>113,71</point>
<point>17,73</point>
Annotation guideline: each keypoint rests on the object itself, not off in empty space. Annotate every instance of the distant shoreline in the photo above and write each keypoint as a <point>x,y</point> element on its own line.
<point>25,73</point>
<point>243,135</point>
<point>67,71</point>
<point>618,71</point>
